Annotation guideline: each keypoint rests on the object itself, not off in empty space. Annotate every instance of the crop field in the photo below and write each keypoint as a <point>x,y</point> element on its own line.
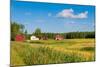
<point>52,51</point>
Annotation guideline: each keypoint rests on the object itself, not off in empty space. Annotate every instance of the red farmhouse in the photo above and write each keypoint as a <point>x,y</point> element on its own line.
<point>20,37</point>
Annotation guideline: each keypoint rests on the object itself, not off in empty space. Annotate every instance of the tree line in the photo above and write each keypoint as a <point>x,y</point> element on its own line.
<point>69,35</point>
<point>20,29</point>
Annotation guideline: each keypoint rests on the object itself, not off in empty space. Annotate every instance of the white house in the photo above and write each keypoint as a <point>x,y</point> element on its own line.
<point>34,38</point>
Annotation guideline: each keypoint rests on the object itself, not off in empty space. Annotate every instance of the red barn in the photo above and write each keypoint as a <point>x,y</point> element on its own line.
<point>59,37</point>
<point>20,37</point>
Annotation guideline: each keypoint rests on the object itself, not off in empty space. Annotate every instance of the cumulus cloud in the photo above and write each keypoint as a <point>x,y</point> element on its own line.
<point>69,13</point>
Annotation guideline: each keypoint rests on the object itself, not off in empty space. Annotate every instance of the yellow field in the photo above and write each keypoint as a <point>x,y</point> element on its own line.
<point>52,51</point>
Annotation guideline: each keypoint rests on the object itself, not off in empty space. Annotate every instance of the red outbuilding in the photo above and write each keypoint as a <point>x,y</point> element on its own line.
<point>59,37</point>
<point>20,37</point>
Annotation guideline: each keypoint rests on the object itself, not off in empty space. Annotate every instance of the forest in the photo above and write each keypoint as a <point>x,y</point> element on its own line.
<point>20,29</point>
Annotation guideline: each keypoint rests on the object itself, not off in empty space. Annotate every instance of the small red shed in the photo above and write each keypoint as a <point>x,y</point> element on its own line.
<point>20,37</point>
<point>59,37</point>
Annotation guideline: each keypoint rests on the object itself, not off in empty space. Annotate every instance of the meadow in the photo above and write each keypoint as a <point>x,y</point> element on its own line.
<point>52,51</point>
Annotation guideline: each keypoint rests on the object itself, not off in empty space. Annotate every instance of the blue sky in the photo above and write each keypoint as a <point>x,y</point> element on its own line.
<point>53,17</point>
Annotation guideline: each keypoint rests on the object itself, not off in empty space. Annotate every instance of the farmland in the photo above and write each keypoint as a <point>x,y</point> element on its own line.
<point>52,51</point>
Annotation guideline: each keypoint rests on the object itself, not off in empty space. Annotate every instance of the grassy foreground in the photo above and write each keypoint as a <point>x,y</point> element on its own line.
<point>52,51</point>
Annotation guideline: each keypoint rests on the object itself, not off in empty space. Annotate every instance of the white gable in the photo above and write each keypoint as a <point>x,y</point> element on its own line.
<point>34,38</point>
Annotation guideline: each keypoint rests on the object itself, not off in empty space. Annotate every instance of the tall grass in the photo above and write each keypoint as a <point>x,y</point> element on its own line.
<point>26,54</point>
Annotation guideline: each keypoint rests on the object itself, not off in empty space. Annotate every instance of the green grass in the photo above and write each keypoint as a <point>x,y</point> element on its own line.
<point>52,51</point>
<point>88,49</point>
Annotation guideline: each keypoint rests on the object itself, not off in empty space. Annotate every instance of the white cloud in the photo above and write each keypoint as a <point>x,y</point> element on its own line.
<point>49,14</point>
<point>72,22</point>
<point>69,13</point>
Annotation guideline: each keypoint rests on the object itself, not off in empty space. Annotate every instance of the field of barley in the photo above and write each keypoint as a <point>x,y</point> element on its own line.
<point>52,51</point>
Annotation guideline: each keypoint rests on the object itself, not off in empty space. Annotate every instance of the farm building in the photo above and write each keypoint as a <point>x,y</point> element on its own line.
<point>20,37</point>
<point>59,37</point>
<point>34,38</point>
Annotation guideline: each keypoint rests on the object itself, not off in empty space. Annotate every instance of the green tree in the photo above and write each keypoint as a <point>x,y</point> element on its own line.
<point>26,34</point>
<point>16,29</point>
<point>21,28</point>
<point>37,32</point>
